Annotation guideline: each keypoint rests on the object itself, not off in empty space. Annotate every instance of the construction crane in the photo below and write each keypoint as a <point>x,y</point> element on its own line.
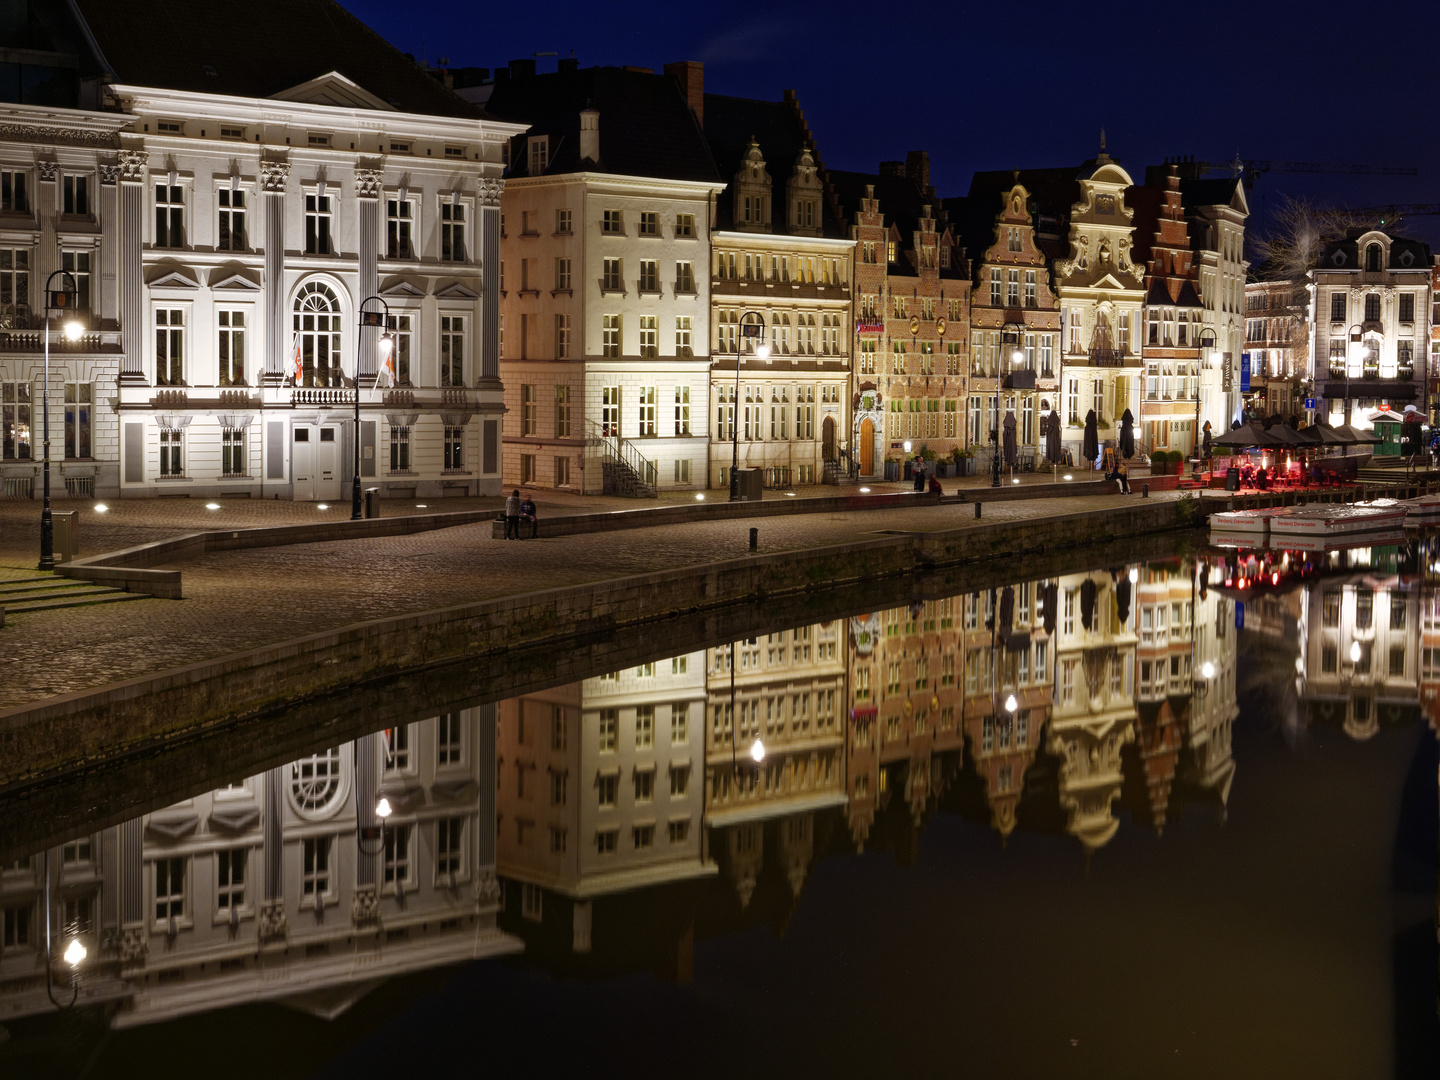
<point>1251,168</point>
<point>1395,211</point>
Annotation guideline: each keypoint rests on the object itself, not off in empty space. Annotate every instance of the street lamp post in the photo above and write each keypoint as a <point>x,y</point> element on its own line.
<point>367,318</point>
<point>74,954</point>
<point>1210,354</point>
<point>1352,356</point>
<point>748,330</point>
<point>62,300</point>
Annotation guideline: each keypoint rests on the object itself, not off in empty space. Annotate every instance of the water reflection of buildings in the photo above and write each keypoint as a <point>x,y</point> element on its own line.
<point>279,887</point>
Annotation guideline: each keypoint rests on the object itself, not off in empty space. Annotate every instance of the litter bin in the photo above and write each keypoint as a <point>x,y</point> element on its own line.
<point>1232,479</point>
<point>67,542</point>
<point>748,485</point>
<point>372,502</point>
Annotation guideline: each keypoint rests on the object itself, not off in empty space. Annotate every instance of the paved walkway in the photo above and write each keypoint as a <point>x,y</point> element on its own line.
<point>239,600</point>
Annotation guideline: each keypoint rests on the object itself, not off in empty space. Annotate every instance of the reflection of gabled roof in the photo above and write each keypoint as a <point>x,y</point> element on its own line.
<point>730,123</point>
<point>259,52</point>
<point>646,127</point>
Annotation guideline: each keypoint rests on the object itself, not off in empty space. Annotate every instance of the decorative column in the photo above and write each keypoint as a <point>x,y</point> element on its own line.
<point>487,886</point>
<point>107,303</point>
<point>47,258</point>
<point>368,187</point>
<point>273,924</point>
<point>489,374</point>
<point>134,941</point>
<point>134,175</point>
<point>273,178</point>
<point>370,832</point>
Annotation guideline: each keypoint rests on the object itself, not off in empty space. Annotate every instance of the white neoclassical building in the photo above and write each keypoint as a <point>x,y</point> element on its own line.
<point>225,225</point>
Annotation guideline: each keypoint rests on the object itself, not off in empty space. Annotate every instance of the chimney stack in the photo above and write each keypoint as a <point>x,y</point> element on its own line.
<point>690,74</point>
<point>522,69</point>
<point>917,168</point>
<point>590,135</point>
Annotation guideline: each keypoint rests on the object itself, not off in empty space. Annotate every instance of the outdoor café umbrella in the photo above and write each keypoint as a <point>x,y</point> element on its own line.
<point>1087,603</point>
<point>1250,434</point>
<point>1122,595</point>
<point>1127,435</point>
<point>1355,436</point>
<point>1090,447</point>
<point>1010,437</point>
<point>1052,436</point>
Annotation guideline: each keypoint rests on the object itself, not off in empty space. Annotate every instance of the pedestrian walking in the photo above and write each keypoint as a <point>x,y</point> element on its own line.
<point>918,472</point>
<point>512,516</point>
<point>528,515</point>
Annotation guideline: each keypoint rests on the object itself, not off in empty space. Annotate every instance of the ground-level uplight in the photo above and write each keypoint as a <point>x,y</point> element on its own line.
<point>757,751</point>
<point>1015,480</point>
<point>699,496</point>
<point>421,506</point>
<point>100,508</point>
<point>791,494</point>
<point>323,506</point>
<point>1069,477</point>
<point>212,506</point>
<point>864,491</point>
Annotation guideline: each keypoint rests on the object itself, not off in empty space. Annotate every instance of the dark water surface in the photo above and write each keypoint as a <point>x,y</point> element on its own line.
<point>1166,818</point>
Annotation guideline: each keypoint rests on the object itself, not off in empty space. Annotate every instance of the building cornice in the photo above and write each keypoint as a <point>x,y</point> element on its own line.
<point>610,183</point>
<point>781,241</point>
<point>61,127</point>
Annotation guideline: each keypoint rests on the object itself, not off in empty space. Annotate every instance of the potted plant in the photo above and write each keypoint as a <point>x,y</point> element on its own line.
<point>964,460</point>
<point>892,468</point>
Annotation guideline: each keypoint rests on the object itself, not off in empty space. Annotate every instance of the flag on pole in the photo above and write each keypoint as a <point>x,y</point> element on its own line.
<point>299,362</point>
<point>389,366</point>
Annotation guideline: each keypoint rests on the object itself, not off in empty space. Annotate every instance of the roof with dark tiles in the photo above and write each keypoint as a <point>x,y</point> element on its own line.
<point>730,123</point>
<point>646,127</point>
<point>258,50</point>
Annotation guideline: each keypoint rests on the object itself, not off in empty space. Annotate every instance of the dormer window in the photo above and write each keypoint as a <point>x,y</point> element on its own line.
<point>170,127</point>
<point>1372,259</point>
<point>805,214</point>
<point>316,139</point>
<point>539,154</point>
<point>399,148</point>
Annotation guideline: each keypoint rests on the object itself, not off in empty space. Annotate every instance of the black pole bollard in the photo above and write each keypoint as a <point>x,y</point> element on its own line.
<point>977,508</point>
<point>754,539</point>
<point>1144,491</point>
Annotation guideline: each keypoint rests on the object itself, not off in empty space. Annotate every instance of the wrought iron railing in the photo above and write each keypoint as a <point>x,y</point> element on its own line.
<point>614,448</point>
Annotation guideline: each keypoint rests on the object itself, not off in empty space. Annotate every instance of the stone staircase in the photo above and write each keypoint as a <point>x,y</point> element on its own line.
<point>837,476</point>
<point>1395,470</point>
<point>624,469</point>
<point>45,592</point>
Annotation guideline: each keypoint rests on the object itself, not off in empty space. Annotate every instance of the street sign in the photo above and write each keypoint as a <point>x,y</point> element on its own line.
<point>1245,373</point>
<point>1310,403</point>
<point>751,329</point>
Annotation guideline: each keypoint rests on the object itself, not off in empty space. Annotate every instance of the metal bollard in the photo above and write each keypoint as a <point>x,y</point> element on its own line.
<point>977,508</point>
<point>754,539</point>
<point>1144,491</point>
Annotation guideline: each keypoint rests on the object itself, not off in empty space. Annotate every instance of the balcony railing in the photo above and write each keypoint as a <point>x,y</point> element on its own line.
<point>1112,358</point>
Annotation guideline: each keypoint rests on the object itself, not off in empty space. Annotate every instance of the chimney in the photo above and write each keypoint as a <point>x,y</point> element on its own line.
<point>569,63</point>
<point>690,74</point>
<point>917,168</point>
<point>892,168</point>
<point>522,69</point>
<point>590,135</point>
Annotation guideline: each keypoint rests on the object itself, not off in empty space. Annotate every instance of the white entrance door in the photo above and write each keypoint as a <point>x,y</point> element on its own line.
<point>327,464</point>
<point>302,464</point>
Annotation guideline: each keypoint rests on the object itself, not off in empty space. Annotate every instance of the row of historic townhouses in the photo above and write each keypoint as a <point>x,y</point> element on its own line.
<point>1167,412</point>
<point>1432,383</point>
<point>1005,652</point>
<point>912,298</point>
<point>280,886</point>
<point>59,210</point>
<point>778,258</point>
<point>1014,319</point>
<point>775,738</point>
<point>1277,341</point>
<point>1370,296</point>
<point>1362,663</point>
<point>1094,712</point>
<point>1101,289</point>
<point>1428,605</point>
<point>865,634</point>
<point>602,787</point>
<point>250,239</point>
<point>1217,210</point>
<point>608,215</point>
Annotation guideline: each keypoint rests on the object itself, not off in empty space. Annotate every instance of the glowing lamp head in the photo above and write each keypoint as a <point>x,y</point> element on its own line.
<point>1011,704</point>
<point>1017,356</point>
<point>75,953</point>
<point>1207,669</point>
<point>763,350</point>
<point>907,446</point>
<point>386,344</point>
<point>1355,652</point>
<point>757,751</point>
<point>73,330</point>
<point>1134,574</point>
<point>383,809</point>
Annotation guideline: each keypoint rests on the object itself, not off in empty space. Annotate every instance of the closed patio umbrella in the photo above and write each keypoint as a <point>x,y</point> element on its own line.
<point>1090,447</point>
<point>1009,438</point>
<point>1052,437</point>
<point>1087,603</point>
<point>1127,435</point>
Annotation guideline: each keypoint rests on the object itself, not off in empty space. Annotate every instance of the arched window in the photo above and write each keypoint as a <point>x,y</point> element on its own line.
<point>315,783</point>
<point>317,336</point>
<point>1372,258</point>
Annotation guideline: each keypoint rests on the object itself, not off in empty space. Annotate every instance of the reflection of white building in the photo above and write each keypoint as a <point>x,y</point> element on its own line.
<point>1094,714</point>
<point>1213,708</point>
<point>601,786</point>
<point>787,695</point>
<point>279,887</point>
<point>1361,651</point>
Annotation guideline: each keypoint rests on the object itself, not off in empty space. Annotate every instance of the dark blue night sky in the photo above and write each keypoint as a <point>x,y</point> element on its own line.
<point>999,85</point>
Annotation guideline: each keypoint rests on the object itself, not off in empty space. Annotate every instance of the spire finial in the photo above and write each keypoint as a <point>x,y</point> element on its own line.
<point>1102,140</point>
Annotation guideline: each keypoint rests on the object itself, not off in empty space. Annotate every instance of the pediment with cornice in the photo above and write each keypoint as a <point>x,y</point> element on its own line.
<point>334,89</point>
<point>174,277</point>
<point>456,291</point>
<point>401,287</point>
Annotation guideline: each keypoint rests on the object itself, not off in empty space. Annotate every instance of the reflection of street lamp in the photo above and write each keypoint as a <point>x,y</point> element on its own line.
<point>1355,652</point>
<point>74,954</point>
<point>757,751</point>
<point>1010,348</point>
<point>61,300</point>
<point>1011,704</point>
<point>748,330</point>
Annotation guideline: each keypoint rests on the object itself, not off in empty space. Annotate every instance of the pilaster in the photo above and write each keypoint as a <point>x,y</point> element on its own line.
<point>273,178</point>
<point>134,174</point>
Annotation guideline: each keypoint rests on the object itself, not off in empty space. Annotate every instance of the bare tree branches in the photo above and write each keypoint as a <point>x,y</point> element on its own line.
<point>1298,232</point>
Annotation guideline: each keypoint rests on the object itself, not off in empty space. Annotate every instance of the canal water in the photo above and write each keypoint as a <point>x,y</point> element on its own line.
<point>1165,818</point>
